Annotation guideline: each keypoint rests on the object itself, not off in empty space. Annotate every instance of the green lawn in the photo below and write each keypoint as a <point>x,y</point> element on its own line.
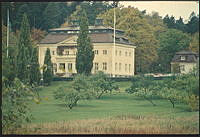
<point>118,103</point>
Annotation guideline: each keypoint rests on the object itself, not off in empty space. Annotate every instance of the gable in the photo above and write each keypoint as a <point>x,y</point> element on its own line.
<point>70,40</point>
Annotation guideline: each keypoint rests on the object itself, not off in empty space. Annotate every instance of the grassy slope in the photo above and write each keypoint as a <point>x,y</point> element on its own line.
<point>50,109</point>
<point>115,105</point>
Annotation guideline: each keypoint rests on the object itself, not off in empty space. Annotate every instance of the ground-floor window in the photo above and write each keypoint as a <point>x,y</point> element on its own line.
<point>104,66</point>
<point>125,67</point>
<point>62,66</point>
<point>129,68</point>
<point>182,67</point>
<point>96,66</point>
<point>55,67</point>
<point>70,67</point>
<point>120,65</point>
<point>96,52</point>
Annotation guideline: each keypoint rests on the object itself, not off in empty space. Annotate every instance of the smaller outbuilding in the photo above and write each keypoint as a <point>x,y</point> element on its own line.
<point>184,62</point>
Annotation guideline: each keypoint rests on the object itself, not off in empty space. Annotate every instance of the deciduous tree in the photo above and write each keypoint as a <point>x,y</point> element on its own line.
<point>194,44</point>
<point>171,42</point>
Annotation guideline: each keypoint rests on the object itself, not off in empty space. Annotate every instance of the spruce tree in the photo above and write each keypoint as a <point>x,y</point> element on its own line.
<point>24,51</point>
<point>35,68</point>
<point>48,68</point>
<point>85,54</point>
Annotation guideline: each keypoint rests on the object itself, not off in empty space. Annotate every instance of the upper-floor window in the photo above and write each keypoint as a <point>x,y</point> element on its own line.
<point>66,52</point>
<point>126,53</point>
<point>182,57</point>
<point>125,67</point>
<point>104,66</point>
<point>117,39</point>
<point>53,52</point>
<point>120,53</point>
<point>115,52</point>
<point>129,68</point>
<point>129,53</point>
<point>104,52</point>
<point>96,52</point>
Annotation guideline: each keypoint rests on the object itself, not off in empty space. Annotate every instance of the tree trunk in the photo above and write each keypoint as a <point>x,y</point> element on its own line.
<point>70,106</point>
<point>150,101</point>
<point>172,102</point>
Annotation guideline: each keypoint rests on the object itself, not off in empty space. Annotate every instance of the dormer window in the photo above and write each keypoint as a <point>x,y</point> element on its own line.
<point>182,58</point>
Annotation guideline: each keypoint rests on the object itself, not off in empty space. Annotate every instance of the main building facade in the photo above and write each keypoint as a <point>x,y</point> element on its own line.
<point>114,57</point>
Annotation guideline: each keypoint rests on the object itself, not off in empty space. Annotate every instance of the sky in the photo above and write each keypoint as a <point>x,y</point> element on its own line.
<point>175,8</point>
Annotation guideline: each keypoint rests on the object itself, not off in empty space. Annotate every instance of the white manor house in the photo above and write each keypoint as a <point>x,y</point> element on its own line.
<point>113,57</point>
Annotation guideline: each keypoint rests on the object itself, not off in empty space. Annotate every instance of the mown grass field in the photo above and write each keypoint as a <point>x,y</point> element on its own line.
<point>118,112</point>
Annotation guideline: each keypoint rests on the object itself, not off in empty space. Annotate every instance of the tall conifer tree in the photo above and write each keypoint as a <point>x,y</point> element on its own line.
<point>48,68</point>
<point>35,68</point>
<point>85,54</point>
<point>24,51</point>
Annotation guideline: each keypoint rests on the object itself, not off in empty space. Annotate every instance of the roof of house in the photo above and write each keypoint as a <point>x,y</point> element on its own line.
<point>190,57</point>
<point>95,38</point>
<point>186,53</point>
<point>78,28</point>
<point>54,38</point>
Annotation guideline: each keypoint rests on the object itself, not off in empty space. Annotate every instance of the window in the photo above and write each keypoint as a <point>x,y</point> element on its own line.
<point>120,65</point>
<point>117,39</point>
<point>104,52</point>
<point>125,67</point>
<point>116,52</point>
<point>115,66</point>
<point>66,52</point>
<point>53,52</point>
<point>120,53</point>
<point>96,66</point>
<point>104,66</point>
<point>96,52</point>
<point>126,53</point>
<point>129,53</point>
<point>129,68</point>
<point>55,67</point>
<point>70,67</point>
<point>182,57</point>
<point>182,67</point>
<point>62,66</point>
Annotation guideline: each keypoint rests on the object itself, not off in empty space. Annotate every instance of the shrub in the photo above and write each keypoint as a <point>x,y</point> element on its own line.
<point>102,84</point>
<point>143,86</point>
<point>183,88</point>
<point>15,110</point>
<point>80,89</point>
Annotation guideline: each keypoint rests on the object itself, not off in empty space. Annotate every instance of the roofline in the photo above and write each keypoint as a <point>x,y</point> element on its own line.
<point>76,28</point>
<point>96,42</point>
<point>183,61</point>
